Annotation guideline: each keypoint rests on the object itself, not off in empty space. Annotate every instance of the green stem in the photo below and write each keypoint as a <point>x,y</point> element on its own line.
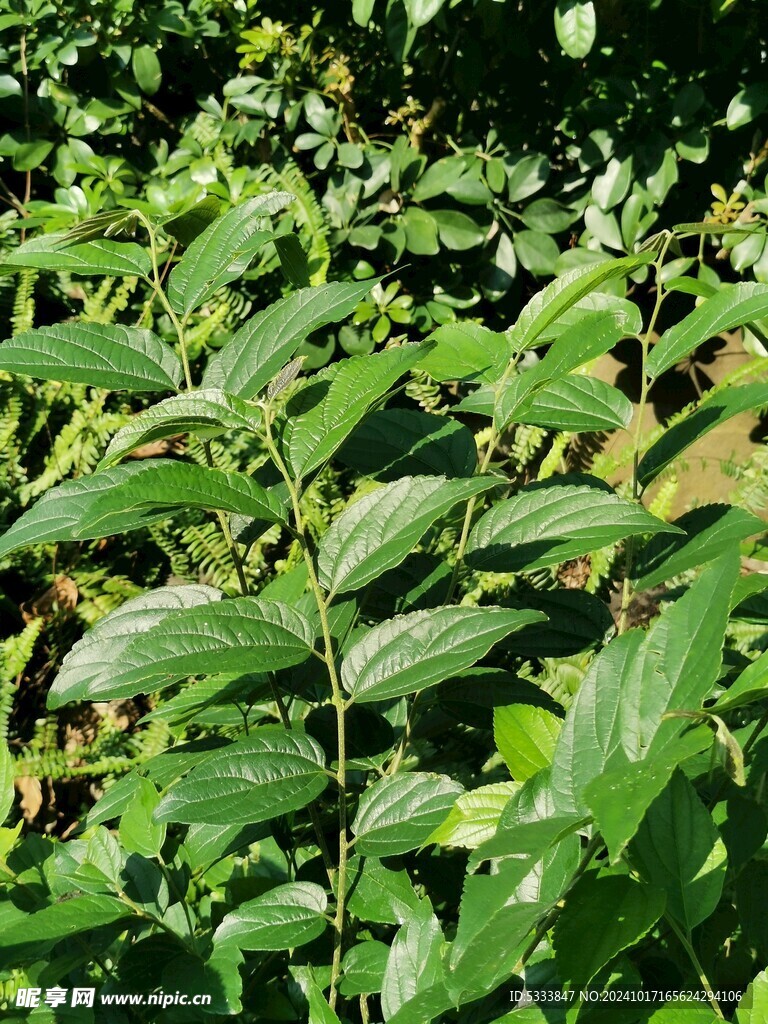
<point>685,941</point>
<point>337,700</point>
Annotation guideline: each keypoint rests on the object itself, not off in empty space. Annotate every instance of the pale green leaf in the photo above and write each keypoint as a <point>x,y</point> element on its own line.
<point>474,816</point>
<point>130,496</point>
<point>414,965</point>
<point>205,414</point>
<point>256,779</point>
<point>399,812</point>
<point>378,531</point>
<point>107,356</point>
<point>525,736</point>
<point>411,652</point>
<point>100,256</point>
<point>466,351</point>
<point>282,918</point>
<point>577,404</point>
<point>575,26</point>
<point>753,1006</point>
<point>266,342</point>
<point>138,832</point>
<point>542,526</point>
<point>6,780</point>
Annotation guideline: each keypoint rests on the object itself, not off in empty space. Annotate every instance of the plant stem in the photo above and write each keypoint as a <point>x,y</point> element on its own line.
<point>685,942</point>
<point>337,700</point>
<point>645,387</point>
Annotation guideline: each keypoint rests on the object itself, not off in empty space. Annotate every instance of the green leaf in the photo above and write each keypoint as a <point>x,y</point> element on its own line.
<point>378,531</point>
<point>362,11</point>
<point>202,640</point>
<point>130,496</point>
<point>411,652</point>
<point>575,26</point>
<point>379,893</point>
<point>577,404</point>
<point>103,355</point>
<point>712,412</point>
<point>266,342</point>
<point>206,413</point>
<point>678,849</point>
<point>753,1006</point>
<point>746,105</point>
<point>542,526</point>
<point>398,813</point>
<point>146,69</point>
<point>537,252</point>
<point>611,186</point>
<point>138,832</point>
<point>731,307</point>
<point>602,917</point>
<point>525,736</point>
<point>526,174</point>
<point>393,443</point>
<point>188,225</point>
<point>256,779</point>
<point>362,968</point>
<point>293,260</point>
<point>325,411</point>
<point>474,816</point>
<point>438,178</point>
<point>456,230</point>
<point>93,657</point>
<point>285,917</point>
<point>591,336</point>
<point>222,252</point>
<point>560,295</point>
<point>547,215</point>
<point>420,12</point>
<point>466,351</point>
<point>29,155</point>
<point>101,256</point>
<point>420,232</point>
<point>709,530</point>
<point>61,921</point>
<point>751,686</point>
<point>414,967</point>
<point>6,781</point>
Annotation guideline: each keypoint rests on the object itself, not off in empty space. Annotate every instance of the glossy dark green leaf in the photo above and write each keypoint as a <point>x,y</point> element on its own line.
<point>546,525</point>
<point>323,413</point>
<point>411,652</point>
<point>537,252</point>
<point>206,413</point>
<point>397,813</point>
<point>94,656</point>
<point>377,532</point>
<point>746,105</point>
<point>615,912</point>
<point>101,256</point>
<point>293,260</point>
<point>466,351</point>
<point>731,307</point>
<point>678,850</point>
<point>133,495</point>
<point>146,69</point>
<point>709,530</point>
<point>285,917</point>
<point>456,230</point>
<point>188,225</point>
<point>256,779</point>
<point>711,413</point>
<point>222,252</point>
<point>103,355</point>
<point>393,443</point>
<point>266,342</point>
<point>576,621</point>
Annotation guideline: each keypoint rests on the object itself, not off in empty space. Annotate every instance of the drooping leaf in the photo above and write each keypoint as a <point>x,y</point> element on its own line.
<point>393,443</point>
<point>269,339</point>
<point>256,779</point>
<point>551,302</point>
<point>94,656</point>
<point>602,917</point>
<point>130,496</point>
<point>398,813</point>
<point>378,531</point>
<point>678,849</point>
<point>542,526</point>
<point>525,736</point>
<point>466,351</point>
<point>222,252</point>
<point>575,26</point>
<point>709,530</point>
<point>101,256</point>
<point>731,307</point>
<point>204,639</point>
<point>285,917</point>
<point>323,413</point>
<point>206,413</point>
<point>411,652</point>
<point>713,411</point>
<point>103,355</point>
